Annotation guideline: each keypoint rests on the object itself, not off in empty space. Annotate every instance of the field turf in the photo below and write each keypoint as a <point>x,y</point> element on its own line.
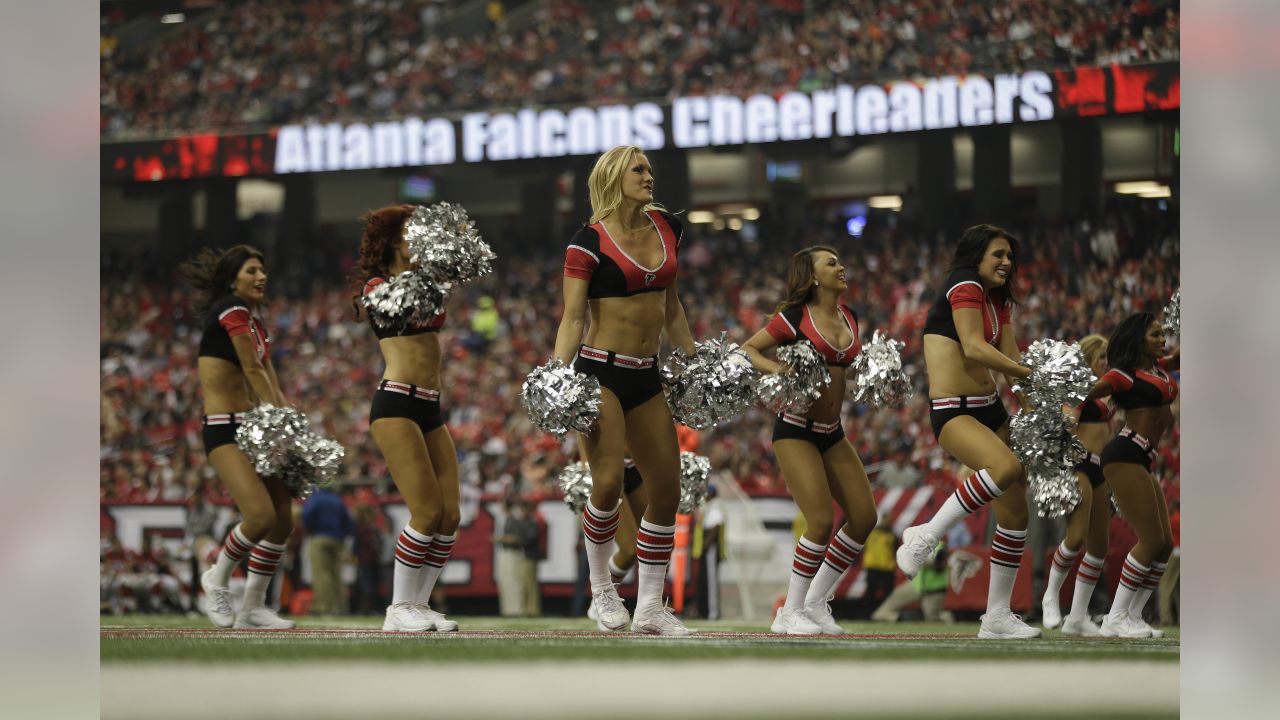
<point>560,667</point>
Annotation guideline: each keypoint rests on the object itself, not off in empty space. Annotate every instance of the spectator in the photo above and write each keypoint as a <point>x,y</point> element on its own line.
<point>242,65</point>
<point>328,525</point>
<point>899,472</point>
<point>928,587</point>
<point>879,563</point>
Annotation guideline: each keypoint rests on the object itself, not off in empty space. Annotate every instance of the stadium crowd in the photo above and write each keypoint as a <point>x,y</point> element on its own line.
<point>1077,279</point>
<point>254,63</point>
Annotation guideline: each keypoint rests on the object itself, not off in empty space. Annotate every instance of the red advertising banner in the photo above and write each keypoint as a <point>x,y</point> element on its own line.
<point>1116,90</point>
<point>969,573</point>
<point>190,157</point>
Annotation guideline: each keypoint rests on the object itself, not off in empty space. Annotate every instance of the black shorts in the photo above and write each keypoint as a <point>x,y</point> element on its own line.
<point>219,430</point>
<point>634,381</point>
<point>630,477</point>
<point>993,415</point>
<point>1091,466</point>
<point>417,404</point>
<point>792,427</point>
<point>1129,447</point>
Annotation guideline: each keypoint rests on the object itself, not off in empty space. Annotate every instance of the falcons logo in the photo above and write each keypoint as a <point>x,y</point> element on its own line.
<point>960,567</point>
<point>649,278</point>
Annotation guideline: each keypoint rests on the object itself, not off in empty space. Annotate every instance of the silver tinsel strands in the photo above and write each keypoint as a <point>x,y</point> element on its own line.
<point>878,377</point>
<point>1040,435</point>
<point>695,470</point>
<point>1173,314</point>
<point>279,442</point>
<point>558,399</point>
<point>1059,374</point>
<point>445,245</point>
<point>1055,490</point>
<point>802,383</point>
<point>409,298</point>
<point>266,435</point>
<point>575,482</point>
<point>714,385</point>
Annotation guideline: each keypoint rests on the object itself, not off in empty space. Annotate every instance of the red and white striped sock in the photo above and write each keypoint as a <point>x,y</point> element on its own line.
<point>411,554</point>
<point>1006,556</point>
<point>804,566</point>
<point>236,547</point>
<point>1063,559</point>
<point>1086,580</point>
<point>1150,583</point>
<point>599,527</point>
<point>654,544</point>
<point>977,490</point>
<point>841,553</point>
<point>437,555</point>
<point>1131,577</point>
<point>263,561</point>
<point>617,574</point>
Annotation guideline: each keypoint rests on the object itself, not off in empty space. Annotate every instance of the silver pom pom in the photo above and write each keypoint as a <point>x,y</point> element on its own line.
<point>279,443</point>
<point>558,399</point>
<point>575,483</point>
<point>444,244</point>
<point>714,385</point>
<point>878,377</point>
<point>1059,374</point>
<point>1041,438</point>
<point>409,298</point>
<point>694,473</point>
<point>1055,491</point>
<point>801,384</point>
<point>1173,314</point>
<point>267,434</point>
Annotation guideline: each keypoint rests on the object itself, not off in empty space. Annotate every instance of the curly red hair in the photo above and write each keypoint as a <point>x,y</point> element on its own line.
<point>383,229</point>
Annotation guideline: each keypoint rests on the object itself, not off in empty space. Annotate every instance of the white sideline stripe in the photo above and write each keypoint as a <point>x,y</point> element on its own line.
<point>377,690</point>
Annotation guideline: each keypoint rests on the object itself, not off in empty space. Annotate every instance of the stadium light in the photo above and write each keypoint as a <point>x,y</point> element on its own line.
<point>855,226</point>
<point>701,216</point>
<point>735,224</point>
<point>1161,192</point>
<point>886,202</point>
<point>1138,187</point>
<point>172,18</point>
<point>751,214</point>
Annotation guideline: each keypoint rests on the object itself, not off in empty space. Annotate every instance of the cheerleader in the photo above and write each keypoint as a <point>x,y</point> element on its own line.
<point>408,427</point>
<point>818,462</point>
<point>621,269</point>
<point>967,336</point>
<point>1138,382</point>
<point>236,375</point>
<point>1089,523</point>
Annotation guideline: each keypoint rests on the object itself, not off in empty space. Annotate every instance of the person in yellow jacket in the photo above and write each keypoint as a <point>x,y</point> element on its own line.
<point>880,563</point>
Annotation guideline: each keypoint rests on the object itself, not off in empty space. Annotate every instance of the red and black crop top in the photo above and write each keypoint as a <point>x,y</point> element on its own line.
<point>963,289</point>
<point>228,317</point>
<point>593,256</point>
<point>1140,388</point>
<point>795,322</point>
<point>1096,411</point>
<point>404,330</point>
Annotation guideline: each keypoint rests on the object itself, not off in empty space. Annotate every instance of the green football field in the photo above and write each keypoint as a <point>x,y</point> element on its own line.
<point>153,666</point>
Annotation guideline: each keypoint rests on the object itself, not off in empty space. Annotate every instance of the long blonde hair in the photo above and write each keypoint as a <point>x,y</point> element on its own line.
<point>1092,346</point>
<point>605,181</point>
